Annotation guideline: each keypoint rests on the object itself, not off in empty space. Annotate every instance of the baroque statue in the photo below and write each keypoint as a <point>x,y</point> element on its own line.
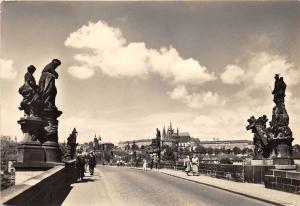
<point>29,92</point>
<point>276,140</point>
<point>71,145</point>
<point>39,123</point>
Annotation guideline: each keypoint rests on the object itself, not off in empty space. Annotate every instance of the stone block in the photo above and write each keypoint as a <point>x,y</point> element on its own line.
<point>279,173</point>
<point>283,180</point>
<point>269,172</point>
<point>297,189</point>
<point>279,186</point>
<point>293,175</point>
<point>283,161</point>
<point>289,188</point>
<point>295,182</point>
<point>269,178</point>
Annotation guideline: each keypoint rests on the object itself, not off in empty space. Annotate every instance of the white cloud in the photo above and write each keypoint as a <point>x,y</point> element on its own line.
<point>197,100</point>
<point>81,72</point>
<point>260,71</point>
<point>104,48</point>
<point>7,70</point>
<point>232,74</point>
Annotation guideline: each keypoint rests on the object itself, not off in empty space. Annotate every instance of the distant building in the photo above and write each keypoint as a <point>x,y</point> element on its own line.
<point>227,144</point>
<point>183,139</point>
<point>139,143</point>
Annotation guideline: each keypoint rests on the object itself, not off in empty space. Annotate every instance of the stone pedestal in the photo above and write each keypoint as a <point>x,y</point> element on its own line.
<point>31,152</point>
<point>52,152</point>
<point>262,162</point>
<point>283,161</point>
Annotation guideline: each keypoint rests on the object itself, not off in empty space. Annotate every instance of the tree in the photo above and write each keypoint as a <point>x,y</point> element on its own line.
<point>169,153</point>
<point>200,149</point>
<point>217,150</point>
<point>237,150</point>
<point>244,150</point>
<point>225,161</point>
<point>134,146</point>
<point>227,151</point>
<point>209,150</point>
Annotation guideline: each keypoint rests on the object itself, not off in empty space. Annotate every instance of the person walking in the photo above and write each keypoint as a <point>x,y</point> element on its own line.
<point>151,163</point>
<point>195,164</point>
<point>80,164</point>
<point>92,162</point>
<point>144,164</point>
<point>187,164</point>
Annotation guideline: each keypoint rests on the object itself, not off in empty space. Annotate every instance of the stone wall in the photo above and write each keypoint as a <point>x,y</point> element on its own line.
<point>49,188</point>
<point>287,181</point>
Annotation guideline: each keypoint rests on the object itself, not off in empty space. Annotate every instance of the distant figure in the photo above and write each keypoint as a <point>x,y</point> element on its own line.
<point>30,94</point>
<point>187,164</point>
<point>195,164</point>
<point>80,164</point>
<point>92,162</point>
<point>156,162</point>
<point>151,163</point>
<point>144,164</point>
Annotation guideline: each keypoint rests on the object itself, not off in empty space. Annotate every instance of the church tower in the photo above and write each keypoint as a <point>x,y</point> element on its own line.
<point>170,131</point>
<point>164,135</point>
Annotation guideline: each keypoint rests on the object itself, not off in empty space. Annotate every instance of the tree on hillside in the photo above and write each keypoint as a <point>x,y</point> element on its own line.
<point>200,149</point>
<point>237,150</point>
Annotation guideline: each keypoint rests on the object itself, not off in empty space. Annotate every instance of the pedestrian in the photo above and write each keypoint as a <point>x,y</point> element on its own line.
<point>80,164</point>
<point>144,164</point>
<point>92,162</point>
<point>151,163</point>
<point>156,162</point>
<point>187,164</point>
<point>195,164</point>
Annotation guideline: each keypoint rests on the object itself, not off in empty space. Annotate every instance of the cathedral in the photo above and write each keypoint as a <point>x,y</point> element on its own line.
<point>171,137</point>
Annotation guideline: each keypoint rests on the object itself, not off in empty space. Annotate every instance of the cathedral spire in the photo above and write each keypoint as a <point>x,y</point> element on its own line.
<point>164,135</point>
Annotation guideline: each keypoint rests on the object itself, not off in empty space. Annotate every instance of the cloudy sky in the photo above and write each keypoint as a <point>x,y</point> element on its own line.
<point>130,67</point>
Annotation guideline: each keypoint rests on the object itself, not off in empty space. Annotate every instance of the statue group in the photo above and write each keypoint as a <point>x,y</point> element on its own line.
<point>275,141</point>
<point>39,123</point>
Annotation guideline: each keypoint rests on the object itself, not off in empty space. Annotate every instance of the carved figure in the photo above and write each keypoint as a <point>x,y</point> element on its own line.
<point>47,87</point>
<point>28,90</point>
<point>71,144</point>
<point>279,90</point>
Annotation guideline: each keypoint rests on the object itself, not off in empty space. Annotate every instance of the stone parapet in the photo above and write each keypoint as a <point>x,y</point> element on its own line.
<point>283,180</point>
<point>48,188</point>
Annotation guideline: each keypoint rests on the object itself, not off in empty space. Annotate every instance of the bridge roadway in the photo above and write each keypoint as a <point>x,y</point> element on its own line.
<point>124,186</point>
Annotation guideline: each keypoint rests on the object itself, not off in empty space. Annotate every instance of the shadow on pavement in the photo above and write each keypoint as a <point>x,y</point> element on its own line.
<point>85,179</point>
<point>62,196</point>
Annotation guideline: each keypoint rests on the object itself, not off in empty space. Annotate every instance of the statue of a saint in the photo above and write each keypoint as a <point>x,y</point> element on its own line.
<point>30,94</point>
<point>47,87</point>
<point>72,143</point>
<point>279,90</point>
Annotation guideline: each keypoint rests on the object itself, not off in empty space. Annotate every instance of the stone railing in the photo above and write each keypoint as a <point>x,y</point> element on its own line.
<point>239,173</point>
<point>49,188</point>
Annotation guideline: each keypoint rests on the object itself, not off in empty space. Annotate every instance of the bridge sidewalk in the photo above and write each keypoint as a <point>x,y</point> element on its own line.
<point>91,191</point>
<point>256,191</point>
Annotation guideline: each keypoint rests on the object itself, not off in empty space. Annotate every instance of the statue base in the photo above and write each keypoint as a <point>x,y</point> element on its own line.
<point>262,162</point>
<point>283,161</point>
<point>52,151</point>
<point>31,152</point>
